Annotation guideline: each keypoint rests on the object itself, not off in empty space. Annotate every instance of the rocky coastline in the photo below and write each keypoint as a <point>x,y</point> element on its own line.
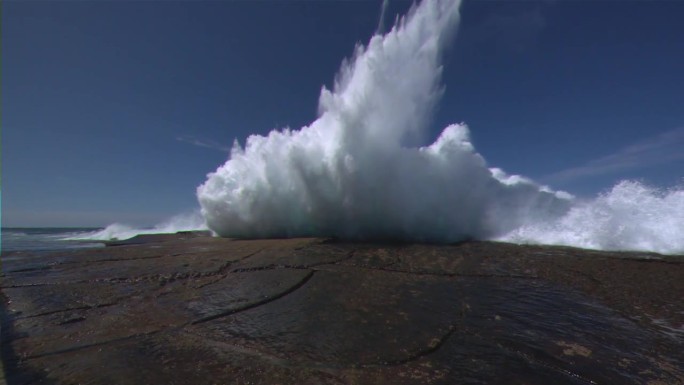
<point>189,308</point>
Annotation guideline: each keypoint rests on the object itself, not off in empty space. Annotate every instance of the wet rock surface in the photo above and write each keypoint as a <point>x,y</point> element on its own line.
<point>188,308</point>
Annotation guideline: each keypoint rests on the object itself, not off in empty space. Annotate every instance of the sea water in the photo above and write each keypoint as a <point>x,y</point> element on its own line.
<point>46,238</point>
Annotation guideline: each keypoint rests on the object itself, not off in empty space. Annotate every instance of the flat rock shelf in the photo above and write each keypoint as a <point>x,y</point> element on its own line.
<point>188,308</point>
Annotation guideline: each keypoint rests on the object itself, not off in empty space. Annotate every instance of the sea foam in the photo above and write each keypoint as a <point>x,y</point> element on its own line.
<point>118,231</point>
<point>631,216</point>
<point>352,172</point>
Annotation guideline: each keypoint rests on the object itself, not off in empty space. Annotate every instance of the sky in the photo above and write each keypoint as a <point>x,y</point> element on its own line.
<point>116,111</point>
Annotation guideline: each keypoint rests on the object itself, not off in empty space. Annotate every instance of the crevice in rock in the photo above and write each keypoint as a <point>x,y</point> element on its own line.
<point>299,266</point>
<point>223,269</point>
<point>542,358</point>
<point>86,346</point>
<point>433,347</point>
<point>87,307</point>
<point>163,279</point>
<point>270,267</point>
<point>117,259</point>
<point>449,275</point>
<point>72,320</point>
<point>27,270</point>
<point>38,284</point>
<point>264,301</point>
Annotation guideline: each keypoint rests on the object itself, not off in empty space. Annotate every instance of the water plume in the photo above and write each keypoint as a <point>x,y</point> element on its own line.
<point>381,20</point>
<point>348,173</point>
<point>352,172</point>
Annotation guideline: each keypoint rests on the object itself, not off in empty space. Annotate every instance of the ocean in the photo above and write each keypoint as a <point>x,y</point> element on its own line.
<point>47,238</point>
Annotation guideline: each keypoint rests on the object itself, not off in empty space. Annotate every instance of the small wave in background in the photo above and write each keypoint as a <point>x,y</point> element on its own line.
<point>45,239</point>
<point>117,231</point>
<point>52,238</point>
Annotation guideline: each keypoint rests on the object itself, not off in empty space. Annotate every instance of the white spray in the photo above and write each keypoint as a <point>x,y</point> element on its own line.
<point>117,231</point>
<point>631,216</point>
<point>350,173</point>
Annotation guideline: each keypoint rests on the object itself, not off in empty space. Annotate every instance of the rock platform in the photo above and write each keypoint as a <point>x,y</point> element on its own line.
<point>191,309</point>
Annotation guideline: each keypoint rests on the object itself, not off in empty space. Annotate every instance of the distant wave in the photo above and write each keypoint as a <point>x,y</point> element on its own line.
<point>352,174</point>
<point>117,231</point>
<point>16,234</point>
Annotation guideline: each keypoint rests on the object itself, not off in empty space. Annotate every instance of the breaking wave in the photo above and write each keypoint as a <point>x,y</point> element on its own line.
<point>353,173</point>
<point>117,231</point>
<point>631,216</point>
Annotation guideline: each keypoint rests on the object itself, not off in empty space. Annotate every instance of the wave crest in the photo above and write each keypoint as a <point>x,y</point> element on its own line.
<point>117,231</point>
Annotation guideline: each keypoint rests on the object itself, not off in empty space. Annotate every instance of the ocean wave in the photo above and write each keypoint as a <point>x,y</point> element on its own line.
<point>117,231</point>
<point>631,216</point>
<point>352,172</point>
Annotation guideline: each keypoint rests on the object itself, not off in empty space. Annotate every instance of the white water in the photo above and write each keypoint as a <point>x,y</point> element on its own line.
<point>631,216</point>
<point>352,172</point>
<point>118,231</point>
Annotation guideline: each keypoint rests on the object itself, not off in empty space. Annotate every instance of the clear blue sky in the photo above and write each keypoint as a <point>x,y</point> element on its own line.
<point>116,111</point>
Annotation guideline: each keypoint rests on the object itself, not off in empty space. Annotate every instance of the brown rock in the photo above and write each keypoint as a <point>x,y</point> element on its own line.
<point>188,308</point>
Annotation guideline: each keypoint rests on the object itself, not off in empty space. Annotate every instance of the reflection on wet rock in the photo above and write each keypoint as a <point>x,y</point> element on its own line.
<point>179,309</point>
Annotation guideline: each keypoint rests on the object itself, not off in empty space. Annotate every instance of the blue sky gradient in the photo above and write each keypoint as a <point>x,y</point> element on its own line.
<point>116,111</point>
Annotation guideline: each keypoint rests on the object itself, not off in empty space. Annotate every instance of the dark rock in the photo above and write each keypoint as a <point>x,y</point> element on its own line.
<point>189,308</point>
